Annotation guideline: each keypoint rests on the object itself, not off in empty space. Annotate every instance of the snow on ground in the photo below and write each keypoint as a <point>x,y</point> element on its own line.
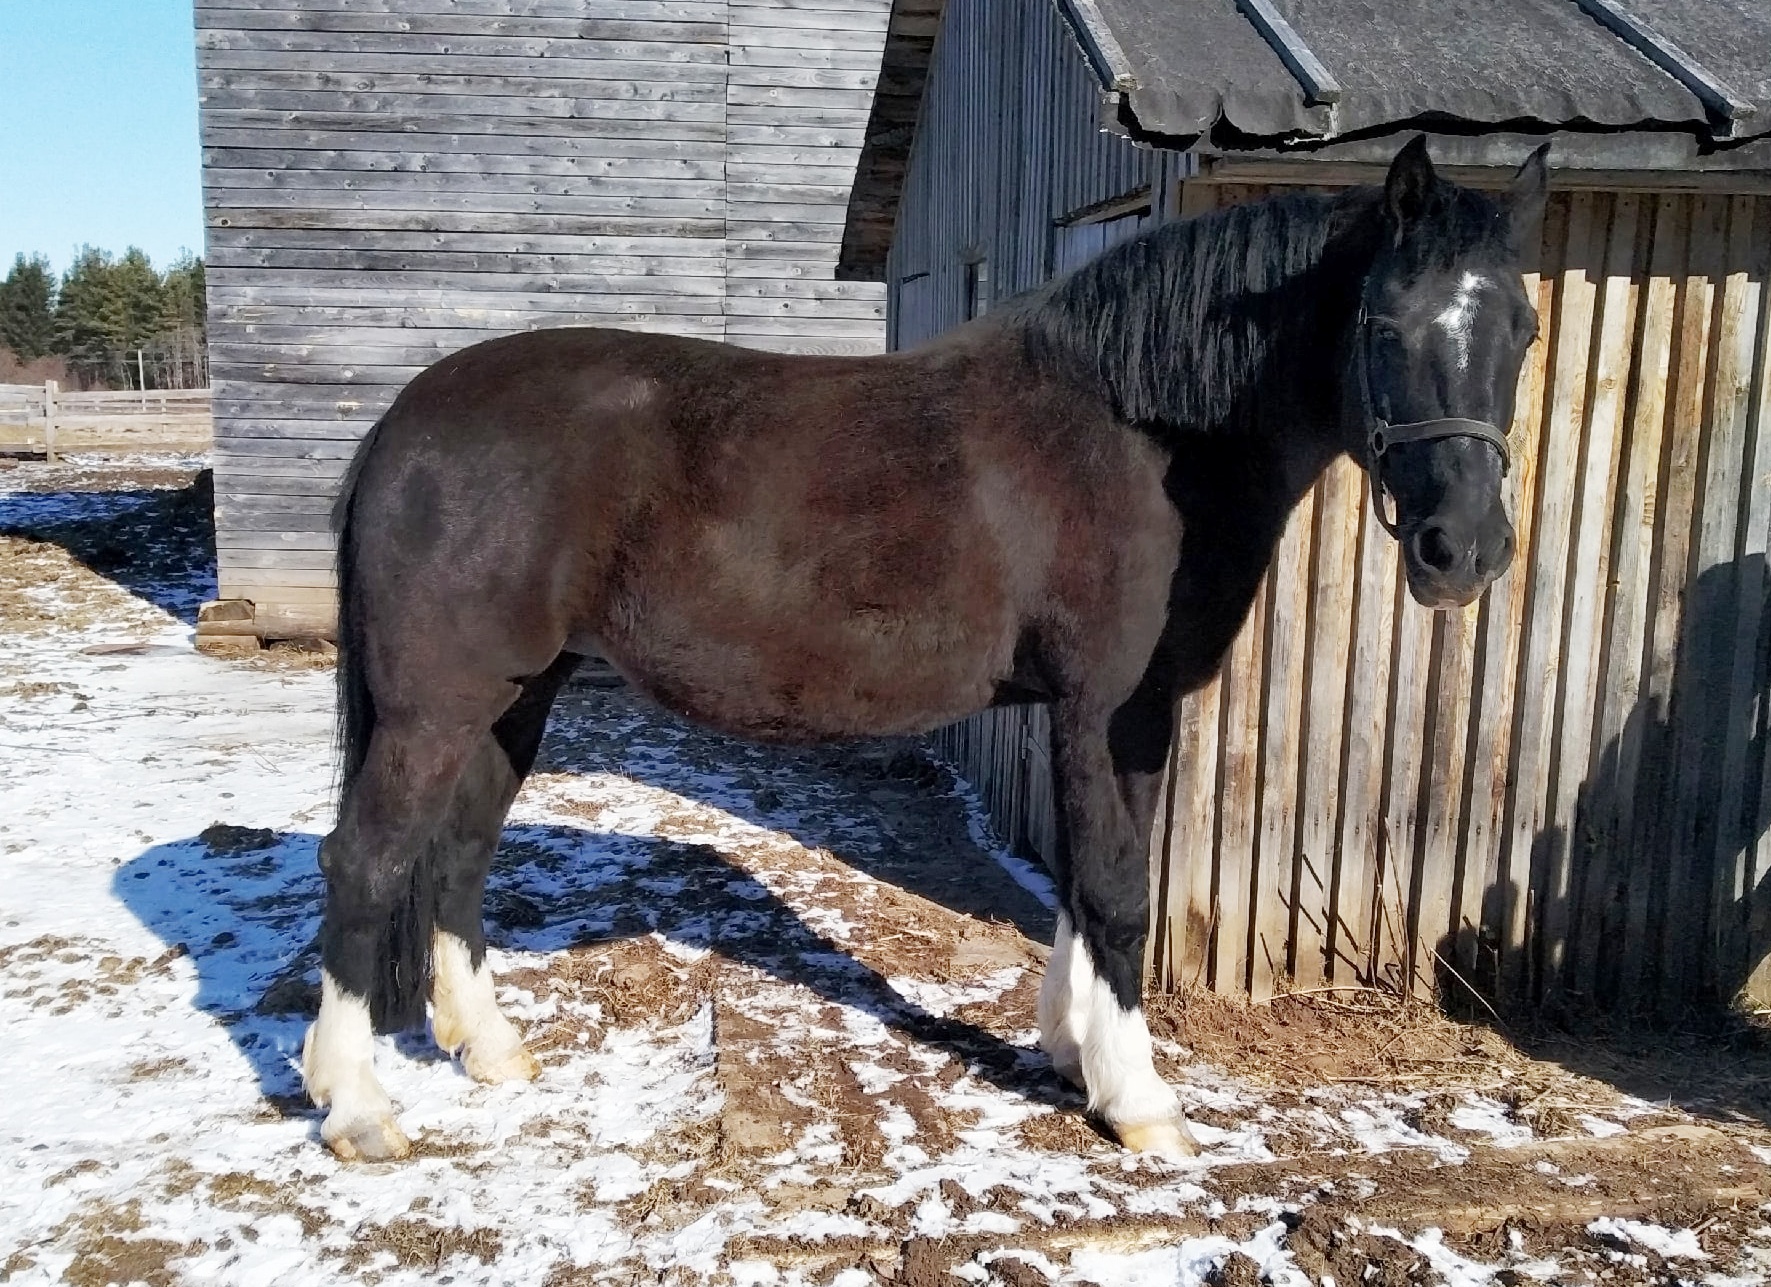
<point>783,1003</point>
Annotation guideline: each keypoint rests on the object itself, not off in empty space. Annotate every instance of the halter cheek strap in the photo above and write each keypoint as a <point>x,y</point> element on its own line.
<point>1380,436</point>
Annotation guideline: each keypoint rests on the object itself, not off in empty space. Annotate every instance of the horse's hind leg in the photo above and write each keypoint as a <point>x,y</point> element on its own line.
<point>464,1014</point>
<point>1091,1001</point>
<point>377,903</point>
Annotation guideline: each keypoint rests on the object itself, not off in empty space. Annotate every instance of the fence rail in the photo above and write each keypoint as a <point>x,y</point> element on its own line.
<point>40,419</point>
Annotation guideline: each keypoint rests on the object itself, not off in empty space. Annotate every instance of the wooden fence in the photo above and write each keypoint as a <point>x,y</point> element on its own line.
<point>1561,793</point>
<point>39,419</point>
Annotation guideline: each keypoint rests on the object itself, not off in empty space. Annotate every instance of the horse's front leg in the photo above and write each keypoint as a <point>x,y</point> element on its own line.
<point>1107,769</point>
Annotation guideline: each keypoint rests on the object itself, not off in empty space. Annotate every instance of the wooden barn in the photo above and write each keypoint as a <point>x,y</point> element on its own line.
<point>386,181</point>
<point>1559,796</point>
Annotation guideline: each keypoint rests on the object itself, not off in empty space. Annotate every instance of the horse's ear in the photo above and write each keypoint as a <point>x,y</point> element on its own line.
<point>1409,184</point>
<point>1525,197</point>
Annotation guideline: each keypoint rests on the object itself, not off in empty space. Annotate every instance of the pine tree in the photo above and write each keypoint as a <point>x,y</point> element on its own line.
<point>27,308</point>
<point>183,317</point>
<point>141,295</point>
<point>119,321</point>
<point>92,318</point>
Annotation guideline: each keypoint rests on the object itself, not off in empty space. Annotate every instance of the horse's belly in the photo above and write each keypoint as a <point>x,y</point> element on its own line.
<point>859,674</point>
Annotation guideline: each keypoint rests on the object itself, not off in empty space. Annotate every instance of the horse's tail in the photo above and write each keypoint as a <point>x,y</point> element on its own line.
<point>356,705</point>
<point>402,977</point>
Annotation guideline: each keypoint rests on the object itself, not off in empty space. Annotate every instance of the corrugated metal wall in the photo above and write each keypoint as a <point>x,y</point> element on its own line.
<point>1561,794</point>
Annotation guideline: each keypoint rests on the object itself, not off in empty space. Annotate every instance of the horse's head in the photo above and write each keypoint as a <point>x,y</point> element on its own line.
<point>1443,326</point>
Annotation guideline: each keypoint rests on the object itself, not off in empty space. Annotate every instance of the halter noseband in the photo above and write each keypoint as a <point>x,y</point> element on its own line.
<point>1380,436</point>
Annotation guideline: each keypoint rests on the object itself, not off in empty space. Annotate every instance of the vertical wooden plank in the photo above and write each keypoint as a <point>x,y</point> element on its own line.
<point>1332,577</point>
<point>1156,956</point>
<point>1757,984</point>
<point>1276,849</point>
<point>1448,713</point>
<point>1238,801</point>
<point>1660,494</point>
<point>1613,254</point>
<point>1708,530</point>
<point>50,392</point>
<point>1618,720</point>
<point>1711,606</point>
<point>1570,342</point>
<point>1399,841</point>
<point>1192,848</point>
<point>1352,947</point>
<point>1485,893</point>
<point>1749,248</point>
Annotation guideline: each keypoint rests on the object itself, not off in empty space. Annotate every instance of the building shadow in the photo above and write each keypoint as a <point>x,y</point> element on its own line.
<point>1647,923</point>
<point>158,543</point>
<point>243,905</point>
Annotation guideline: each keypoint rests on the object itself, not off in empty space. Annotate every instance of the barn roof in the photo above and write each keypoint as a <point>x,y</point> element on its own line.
<point>1205,67</point>
<point>1620,84</point>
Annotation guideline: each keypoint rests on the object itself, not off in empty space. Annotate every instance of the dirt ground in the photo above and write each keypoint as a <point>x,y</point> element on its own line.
<point>784,1004</point>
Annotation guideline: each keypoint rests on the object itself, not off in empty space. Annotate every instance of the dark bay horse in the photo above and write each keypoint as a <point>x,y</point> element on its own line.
<point>1071,501</point>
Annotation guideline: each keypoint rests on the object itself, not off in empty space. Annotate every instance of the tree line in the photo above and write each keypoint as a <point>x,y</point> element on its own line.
<point>116,322</point>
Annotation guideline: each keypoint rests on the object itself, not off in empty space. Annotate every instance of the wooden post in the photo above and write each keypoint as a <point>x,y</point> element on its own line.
<point>49,391</point>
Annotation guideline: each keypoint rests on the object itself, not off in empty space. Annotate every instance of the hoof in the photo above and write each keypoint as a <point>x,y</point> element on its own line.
<point>1166,1137</point>
<point>515,1064</point>
<point>373,1139</point>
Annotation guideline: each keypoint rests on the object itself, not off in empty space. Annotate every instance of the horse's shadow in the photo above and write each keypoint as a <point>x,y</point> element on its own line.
<point>156,543</point>
<point>244,906</point>
<point>883,806</point>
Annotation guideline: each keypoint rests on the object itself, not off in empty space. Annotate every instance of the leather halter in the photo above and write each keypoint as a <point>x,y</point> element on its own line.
<point>1380,435</point>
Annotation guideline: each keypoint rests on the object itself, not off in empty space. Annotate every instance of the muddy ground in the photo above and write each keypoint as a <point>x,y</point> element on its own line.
<point>783,1002</point>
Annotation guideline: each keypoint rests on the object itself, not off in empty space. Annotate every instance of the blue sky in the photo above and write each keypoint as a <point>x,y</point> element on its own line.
<point>98,143</point>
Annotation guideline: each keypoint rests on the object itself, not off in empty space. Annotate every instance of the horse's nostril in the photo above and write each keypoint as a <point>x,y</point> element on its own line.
<point>1435,549</point>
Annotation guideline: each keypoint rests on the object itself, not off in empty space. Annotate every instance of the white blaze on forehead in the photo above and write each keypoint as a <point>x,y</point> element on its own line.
<point>1459,316</point>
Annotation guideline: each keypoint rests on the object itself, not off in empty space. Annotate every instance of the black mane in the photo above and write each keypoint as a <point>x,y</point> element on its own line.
<point>1177,325</point>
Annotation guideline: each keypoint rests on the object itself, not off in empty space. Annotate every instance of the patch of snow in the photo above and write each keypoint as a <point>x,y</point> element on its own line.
<point>1600,1127</point>
<point>1192,1262</point>
<point>941,999</point>
<point>1379,1128</point>
<point>1490,1117</point>
<point>1673,1244</point>
<point>1453,1269</point>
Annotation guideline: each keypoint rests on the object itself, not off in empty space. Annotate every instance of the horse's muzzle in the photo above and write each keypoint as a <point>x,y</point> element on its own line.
<point>1447,568</point>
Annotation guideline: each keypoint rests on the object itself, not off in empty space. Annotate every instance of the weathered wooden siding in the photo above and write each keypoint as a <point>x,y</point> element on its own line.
<point>387,181</point>
<point>1561,794</point>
